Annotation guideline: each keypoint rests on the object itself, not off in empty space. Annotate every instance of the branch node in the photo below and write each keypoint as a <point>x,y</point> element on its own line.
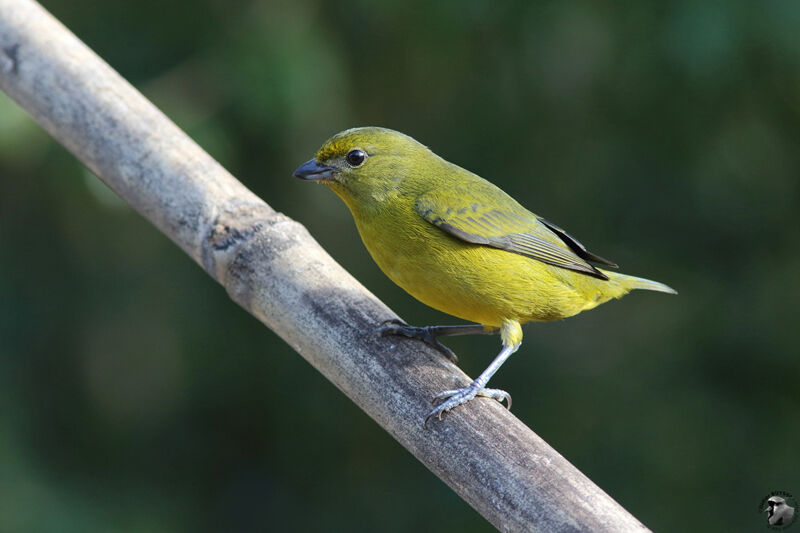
<point>233,228</point>
<point>10,63</point>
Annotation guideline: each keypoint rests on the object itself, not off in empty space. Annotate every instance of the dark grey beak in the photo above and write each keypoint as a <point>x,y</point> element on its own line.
<point>311,170</point>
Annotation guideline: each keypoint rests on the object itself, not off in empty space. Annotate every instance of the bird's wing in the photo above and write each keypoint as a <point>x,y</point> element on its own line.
<point>487,216</point>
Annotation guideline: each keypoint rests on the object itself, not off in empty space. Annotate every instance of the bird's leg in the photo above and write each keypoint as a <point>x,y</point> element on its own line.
<point>454,398</point>
<point>429,334</point>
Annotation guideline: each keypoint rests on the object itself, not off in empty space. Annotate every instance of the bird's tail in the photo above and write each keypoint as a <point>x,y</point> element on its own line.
<point>598,291</point>
<point>624,284</point>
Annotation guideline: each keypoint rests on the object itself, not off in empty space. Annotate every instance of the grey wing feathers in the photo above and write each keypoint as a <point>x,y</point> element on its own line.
<point>512,233</point>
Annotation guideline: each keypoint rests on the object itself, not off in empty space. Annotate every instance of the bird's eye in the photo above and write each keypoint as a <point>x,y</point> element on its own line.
<point>355,158</point>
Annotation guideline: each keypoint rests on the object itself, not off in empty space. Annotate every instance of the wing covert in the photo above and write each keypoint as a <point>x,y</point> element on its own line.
<point>513,230</point>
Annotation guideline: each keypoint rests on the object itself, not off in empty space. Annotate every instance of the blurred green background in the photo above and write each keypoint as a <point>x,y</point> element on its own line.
<point>137,397</point>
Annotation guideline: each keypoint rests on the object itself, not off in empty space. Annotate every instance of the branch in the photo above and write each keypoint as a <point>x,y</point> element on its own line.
<point>272,267</point>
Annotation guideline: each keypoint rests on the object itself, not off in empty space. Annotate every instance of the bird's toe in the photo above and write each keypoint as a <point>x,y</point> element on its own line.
<point>497,394</point>
<point>396,326</point>
<point>454,398</point>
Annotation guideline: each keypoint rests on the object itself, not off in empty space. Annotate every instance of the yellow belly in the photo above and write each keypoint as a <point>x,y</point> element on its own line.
<point>474,282</point>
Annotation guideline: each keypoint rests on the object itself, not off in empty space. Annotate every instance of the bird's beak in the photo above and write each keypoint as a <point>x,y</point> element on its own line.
<point>312,170</point>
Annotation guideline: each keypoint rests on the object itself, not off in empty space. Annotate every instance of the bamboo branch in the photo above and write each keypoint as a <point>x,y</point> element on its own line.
<point>272,267</point>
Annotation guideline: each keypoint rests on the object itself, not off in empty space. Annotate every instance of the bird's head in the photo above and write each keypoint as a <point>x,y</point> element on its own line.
<point>775,502</point>
<point>365,166</point>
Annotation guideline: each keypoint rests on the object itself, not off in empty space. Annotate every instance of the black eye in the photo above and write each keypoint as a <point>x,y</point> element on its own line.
<point>355,158</point>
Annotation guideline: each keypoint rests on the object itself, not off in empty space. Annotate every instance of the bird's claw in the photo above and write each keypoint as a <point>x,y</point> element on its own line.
<point>393,321</point>
<point>454,398</point>
<point>394,326</point>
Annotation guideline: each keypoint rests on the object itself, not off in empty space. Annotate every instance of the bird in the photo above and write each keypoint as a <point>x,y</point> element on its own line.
<point>460,244</point>
<point>778,512</point>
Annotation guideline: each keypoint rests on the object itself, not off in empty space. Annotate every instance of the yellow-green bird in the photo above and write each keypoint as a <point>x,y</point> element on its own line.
<point>461,245</point>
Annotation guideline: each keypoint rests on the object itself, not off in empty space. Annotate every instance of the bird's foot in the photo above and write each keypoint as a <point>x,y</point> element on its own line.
<point>425,334</point>
<point>454,398</point>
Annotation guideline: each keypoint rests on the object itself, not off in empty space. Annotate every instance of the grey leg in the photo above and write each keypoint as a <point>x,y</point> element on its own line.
<point>429,334</point>
<point>454,398</point>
